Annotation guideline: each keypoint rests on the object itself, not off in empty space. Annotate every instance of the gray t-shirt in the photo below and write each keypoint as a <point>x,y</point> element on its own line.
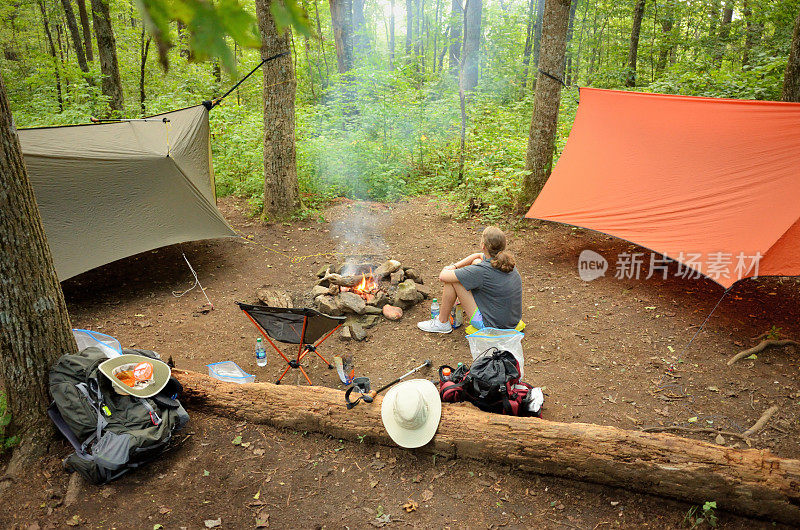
<point>497,293</point>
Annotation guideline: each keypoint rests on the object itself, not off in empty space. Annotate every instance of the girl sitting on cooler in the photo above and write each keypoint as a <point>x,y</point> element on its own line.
<point>486,283</point>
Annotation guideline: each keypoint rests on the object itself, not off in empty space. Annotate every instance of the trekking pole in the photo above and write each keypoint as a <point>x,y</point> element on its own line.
<point>370,396</point>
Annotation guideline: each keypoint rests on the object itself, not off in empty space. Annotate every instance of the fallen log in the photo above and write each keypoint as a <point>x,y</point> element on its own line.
<point>750,482</point>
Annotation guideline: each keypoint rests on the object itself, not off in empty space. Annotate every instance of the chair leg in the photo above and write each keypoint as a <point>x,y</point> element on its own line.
<point>306,376</point>
<point>283,374</point>
<point>330,366</point>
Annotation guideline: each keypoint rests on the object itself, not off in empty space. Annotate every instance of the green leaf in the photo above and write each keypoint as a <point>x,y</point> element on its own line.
<point>753,356</point>
<point>237,440</point>
<point>693,419</point>
<point>206,473</point>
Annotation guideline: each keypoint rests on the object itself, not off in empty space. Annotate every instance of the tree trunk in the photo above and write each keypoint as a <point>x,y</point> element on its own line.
<point>724,32</point>
<point>76,37</point>
<point>526,51</point>
<point>52,49</point>
<point>456,25</point>
<point>472,41</point>
<point>281,193</point>
<point>751,482</point>
<point>360,34</point>
<point>342,22</point>
<point>667,23</point>
<point>541,140</point>
<point>87,32</point>
<point>568,54</point>
<point>537,35</point>
<point>409,27</point>
<point>752,34</point>
<point>791,79</point>
<point>391,36</point>
<point>321,47</point>
<point>34,324</point>
<point>633,51</point>
<point>144,48</point>
<point>107,50</point>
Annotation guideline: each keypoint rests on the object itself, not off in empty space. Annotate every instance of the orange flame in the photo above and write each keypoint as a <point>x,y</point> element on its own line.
<point>366,285</point>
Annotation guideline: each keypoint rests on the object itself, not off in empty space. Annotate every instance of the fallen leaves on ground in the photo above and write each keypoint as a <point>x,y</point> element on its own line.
<point>213,523</point>
<point>410,506</point>
<point>427,495</point>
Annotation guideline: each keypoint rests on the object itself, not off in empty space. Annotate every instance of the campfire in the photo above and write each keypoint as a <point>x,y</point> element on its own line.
<point>367,293</point>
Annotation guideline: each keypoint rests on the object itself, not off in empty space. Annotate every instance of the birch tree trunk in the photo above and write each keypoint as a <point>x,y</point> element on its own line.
<point>472,41</point>
<point>76,37</point>
<point>791,79</point>
<point>87,31</point>
<point>107,50</point>
<point>541,140</point>
<point>34,324</point>
<point>633,51</point>
<point>281,192</point>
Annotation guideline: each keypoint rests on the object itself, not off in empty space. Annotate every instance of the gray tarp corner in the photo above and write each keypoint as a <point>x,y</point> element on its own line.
<point>113,190</point>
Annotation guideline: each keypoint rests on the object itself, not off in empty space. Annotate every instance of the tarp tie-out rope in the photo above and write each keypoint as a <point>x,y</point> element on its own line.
<point>706,320</point>
<point>178,294</point>
<point>242,80</point>
<point>554,78</point>
<point>292,259</point>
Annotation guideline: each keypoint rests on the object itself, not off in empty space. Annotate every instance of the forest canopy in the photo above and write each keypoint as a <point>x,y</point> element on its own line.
<point>381,117</point>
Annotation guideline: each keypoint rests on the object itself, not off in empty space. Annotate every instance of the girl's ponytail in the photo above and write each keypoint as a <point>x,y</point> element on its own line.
<point>504,261</point>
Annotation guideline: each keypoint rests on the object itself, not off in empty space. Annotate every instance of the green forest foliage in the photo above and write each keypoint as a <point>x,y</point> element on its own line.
<point>380,134</point>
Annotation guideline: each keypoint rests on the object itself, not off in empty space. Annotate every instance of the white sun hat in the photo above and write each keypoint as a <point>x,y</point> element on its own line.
<point>411,412</point>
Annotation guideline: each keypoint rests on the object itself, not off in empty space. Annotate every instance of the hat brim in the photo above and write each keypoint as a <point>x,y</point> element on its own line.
<point>412,438</point>
<point>161,374</point>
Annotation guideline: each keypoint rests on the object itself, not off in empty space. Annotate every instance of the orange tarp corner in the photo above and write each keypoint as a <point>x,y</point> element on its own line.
<point>706,182</point>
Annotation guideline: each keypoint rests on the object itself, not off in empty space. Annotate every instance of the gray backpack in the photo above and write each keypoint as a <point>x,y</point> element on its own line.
<point>111,433</point>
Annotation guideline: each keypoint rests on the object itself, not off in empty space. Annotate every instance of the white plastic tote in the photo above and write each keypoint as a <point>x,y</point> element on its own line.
<point>108,344</point>
<point>502,339</point>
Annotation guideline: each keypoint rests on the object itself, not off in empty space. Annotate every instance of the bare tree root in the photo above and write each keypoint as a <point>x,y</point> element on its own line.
<point>763,345</point>
<point>678,428</point>
<point>757,426</point>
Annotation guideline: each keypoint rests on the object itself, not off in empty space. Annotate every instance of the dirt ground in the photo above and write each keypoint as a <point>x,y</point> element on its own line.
<point>611,351</point>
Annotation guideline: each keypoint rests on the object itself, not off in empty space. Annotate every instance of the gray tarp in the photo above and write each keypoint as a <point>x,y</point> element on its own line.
<point>112,190</point>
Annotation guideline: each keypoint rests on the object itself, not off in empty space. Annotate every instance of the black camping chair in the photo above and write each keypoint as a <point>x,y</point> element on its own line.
<point>307,327</point>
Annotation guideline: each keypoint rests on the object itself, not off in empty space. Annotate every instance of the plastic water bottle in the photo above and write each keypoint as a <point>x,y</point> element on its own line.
<point>261,353</point>
<point>434,309</point>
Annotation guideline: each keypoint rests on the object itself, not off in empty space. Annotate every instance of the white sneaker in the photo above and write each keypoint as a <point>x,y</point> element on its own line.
<point>435,326</point>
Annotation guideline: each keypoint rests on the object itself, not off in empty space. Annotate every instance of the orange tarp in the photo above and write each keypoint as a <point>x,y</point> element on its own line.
<point>706,182</point>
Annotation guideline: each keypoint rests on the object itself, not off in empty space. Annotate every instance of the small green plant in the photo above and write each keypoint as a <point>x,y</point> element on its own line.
<point>361,438</point>
<point>6,442</point>
<point>697,516</point>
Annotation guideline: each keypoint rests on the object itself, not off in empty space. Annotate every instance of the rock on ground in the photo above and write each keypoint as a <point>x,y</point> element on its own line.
<point>327,304</point>
<point>350,303</point>
<point>392,312</point>
<point>406,294</point>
